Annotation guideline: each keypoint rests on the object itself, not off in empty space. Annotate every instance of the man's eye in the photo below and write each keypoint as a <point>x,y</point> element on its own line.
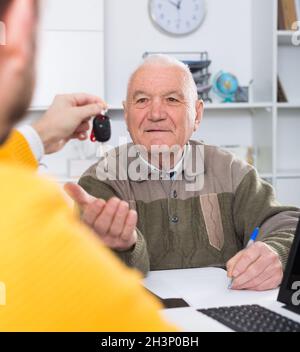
<point>142,100</point>
<point>172,100</point>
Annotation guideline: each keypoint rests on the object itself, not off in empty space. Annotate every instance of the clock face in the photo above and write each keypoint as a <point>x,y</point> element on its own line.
<point>177,17</point>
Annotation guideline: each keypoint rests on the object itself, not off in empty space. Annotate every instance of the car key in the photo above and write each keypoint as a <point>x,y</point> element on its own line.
<point>101,133</point>
<point>101,129</point>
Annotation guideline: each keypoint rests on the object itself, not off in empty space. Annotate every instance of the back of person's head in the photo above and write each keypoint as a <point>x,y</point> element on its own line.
<point>18,18</point>
<point>3,7</point>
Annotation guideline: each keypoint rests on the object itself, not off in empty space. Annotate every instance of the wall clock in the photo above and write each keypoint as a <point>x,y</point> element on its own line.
<point>177,17</point>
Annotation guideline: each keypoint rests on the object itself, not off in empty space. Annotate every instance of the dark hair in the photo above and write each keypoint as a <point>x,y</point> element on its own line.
<point>3,7</point>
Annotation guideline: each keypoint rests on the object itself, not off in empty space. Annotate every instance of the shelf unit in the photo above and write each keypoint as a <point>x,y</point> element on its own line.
<point>287,117</point>
<point>288,106</point>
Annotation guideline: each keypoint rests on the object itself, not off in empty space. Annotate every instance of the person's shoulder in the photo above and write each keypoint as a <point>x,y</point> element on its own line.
<point>224,165</point>
<point>214,151</point>
<point>215,155</point>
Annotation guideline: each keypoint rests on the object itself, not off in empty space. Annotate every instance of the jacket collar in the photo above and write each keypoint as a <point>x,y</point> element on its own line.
<point>189,166</point>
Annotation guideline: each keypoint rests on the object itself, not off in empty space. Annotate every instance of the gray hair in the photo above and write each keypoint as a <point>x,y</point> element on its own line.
<point>169,61</point>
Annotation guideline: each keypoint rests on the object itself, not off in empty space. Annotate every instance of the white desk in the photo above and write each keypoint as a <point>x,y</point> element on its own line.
<point>205,288</point>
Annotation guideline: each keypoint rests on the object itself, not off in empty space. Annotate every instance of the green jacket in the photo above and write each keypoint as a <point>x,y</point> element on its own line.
<point>183,226</point>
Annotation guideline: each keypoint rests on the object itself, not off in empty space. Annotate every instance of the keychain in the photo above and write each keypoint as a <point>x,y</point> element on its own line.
<point>101,131</point>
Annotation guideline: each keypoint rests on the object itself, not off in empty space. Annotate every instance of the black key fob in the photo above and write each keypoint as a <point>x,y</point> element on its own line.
<point>101,129</point>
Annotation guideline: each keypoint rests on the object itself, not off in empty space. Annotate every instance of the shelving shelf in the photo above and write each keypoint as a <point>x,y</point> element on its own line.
<point>237,106</point>
<point>208,106</point>
<point>222,106</point>
<point>265,176</point>
<point>288,174</point>
<point>288,105</point>
<point>66,179</point>
<point>285,37</point>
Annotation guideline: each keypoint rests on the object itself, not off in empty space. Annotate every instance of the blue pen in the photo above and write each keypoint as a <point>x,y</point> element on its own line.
<point>250,242</point>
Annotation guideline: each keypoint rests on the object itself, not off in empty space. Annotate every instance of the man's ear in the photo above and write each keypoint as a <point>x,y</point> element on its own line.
<point>125,110</point>
<point>20,22</point>
<point>199,114</point>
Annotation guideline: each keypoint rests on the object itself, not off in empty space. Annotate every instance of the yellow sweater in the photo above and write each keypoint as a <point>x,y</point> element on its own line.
<point>56,273</point>
<point>16,150</point>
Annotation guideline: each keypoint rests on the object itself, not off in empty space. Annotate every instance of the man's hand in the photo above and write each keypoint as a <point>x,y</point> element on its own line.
<point>68,117</point>
<point>113,221</point>
<point>256,268</point>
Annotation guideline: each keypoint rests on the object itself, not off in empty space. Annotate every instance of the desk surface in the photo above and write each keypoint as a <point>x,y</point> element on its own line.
<point>205,288</point>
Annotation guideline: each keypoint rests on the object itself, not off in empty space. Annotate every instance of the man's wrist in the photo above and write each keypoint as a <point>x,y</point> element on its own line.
<point>43,134</point>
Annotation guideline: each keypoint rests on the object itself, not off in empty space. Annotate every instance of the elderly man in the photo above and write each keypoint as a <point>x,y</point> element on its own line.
<point>180,226</point>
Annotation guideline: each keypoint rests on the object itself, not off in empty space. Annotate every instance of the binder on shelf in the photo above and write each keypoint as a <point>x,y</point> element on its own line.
<point>281,25</point>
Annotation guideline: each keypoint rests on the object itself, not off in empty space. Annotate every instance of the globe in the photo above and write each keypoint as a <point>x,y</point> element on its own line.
<point>225,85</point>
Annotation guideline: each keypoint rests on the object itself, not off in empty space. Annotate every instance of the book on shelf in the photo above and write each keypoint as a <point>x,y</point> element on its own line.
<point>281,94</point>
<point>281,25</point>
<point>288,13</point>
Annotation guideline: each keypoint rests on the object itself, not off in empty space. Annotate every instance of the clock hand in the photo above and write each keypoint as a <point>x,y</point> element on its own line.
<point>179,4</point>
<point>173,3</point>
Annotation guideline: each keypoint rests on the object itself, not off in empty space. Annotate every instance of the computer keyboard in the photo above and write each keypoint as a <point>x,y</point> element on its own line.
<point>251,318</point>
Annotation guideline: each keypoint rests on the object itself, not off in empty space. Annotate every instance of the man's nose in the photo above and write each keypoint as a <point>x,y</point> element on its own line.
<point>157,111</point>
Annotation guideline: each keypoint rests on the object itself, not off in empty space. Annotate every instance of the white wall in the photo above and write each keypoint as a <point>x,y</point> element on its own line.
<point>129,32</point>
<point>70,49</point>
<point>288,191</point>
